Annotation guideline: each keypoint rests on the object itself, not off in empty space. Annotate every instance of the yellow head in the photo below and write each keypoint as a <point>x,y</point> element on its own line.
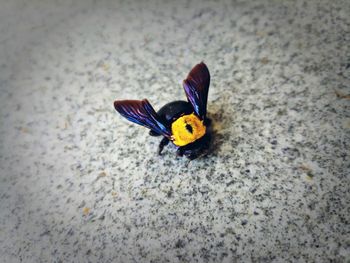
<point>187,129</point>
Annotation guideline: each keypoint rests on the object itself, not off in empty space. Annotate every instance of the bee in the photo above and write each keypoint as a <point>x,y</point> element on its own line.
<point>184,123</point>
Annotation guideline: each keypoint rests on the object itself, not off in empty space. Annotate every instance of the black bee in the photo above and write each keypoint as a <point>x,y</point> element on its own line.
<point>184,123</point>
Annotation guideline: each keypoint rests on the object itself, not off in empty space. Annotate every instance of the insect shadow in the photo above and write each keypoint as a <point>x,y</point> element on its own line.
<point>222,124</point>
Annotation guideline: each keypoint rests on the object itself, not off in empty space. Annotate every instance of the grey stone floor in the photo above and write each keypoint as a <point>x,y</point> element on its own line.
<point>78,183</point>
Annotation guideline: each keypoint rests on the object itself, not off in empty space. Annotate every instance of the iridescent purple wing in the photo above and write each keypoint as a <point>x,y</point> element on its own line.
<point>142,113</point>
<point>196,87</point>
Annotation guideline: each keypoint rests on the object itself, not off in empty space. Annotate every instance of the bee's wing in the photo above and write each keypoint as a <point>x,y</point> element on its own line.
<point>142,113</point>
<point>196,87</point>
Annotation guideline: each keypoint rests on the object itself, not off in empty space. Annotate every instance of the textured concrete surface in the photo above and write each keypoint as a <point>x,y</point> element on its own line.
<point>80,184</point>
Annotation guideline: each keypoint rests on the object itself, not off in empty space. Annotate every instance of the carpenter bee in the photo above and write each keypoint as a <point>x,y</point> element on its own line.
<point>184,123</point>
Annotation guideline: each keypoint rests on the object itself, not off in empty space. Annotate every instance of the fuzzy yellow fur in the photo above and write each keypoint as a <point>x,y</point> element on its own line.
<point>181,135</point>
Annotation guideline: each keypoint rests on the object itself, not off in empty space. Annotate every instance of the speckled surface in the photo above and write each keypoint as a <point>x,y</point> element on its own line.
<point>80,184</point>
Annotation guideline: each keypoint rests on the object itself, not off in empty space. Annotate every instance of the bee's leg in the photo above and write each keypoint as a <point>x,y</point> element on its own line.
<point>193,155</point>
<point>190,156</point>
<point>162,143</point>
<point>179,151</point>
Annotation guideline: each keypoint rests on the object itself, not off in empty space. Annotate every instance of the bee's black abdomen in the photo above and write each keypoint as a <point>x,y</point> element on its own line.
<point>173,110</point>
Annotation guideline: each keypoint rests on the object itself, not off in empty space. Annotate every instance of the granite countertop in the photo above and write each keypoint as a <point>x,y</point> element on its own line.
<point>78,183</point>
